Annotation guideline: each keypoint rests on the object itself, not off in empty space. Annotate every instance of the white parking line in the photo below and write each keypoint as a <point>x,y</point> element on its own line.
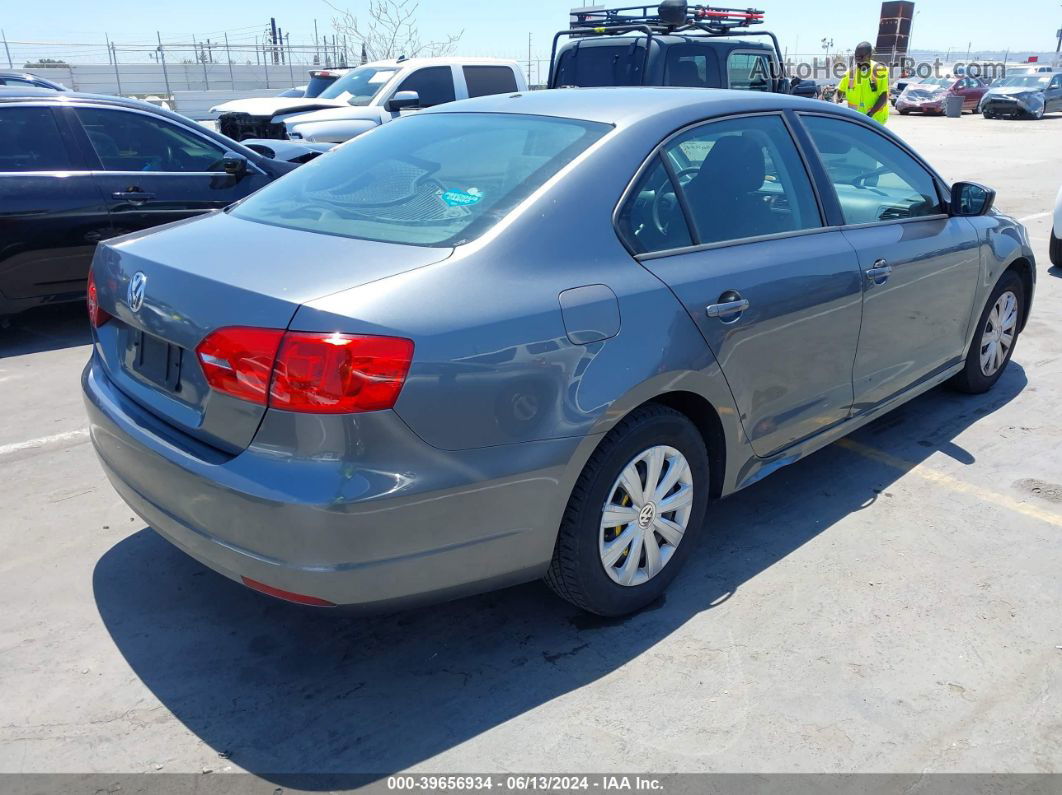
<point>1032,217</point>
<point>69,436</point>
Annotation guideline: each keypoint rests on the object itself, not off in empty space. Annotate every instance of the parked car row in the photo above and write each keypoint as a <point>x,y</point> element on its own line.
<point>367,97</point>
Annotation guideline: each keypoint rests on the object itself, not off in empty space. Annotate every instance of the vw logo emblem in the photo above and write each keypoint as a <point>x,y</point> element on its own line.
<point>647,515</point>
<point>137,285</point>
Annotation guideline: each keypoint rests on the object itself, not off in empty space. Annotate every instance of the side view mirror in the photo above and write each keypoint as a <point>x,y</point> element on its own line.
<point>403,100</point>
<point>234,165</point>
<point>970,199</point>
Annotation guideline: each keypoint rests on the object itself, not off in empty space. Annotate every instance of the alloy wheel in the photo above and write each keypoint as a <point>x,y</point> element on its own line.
<point>645,516</point>
<point>998,334</point>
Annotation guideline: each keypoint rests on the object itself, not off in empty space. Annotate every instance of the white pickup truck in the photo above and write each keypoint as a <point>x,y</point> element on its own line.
<point>368,96</point>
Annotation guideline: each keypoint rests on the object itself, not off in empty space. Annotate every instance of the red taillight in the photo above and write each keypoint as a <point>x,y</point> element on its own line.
<point>239,361</point>
<point>289,596</point>
<point>339,373</point>
<point>306,371</point>
<point>97,315</point>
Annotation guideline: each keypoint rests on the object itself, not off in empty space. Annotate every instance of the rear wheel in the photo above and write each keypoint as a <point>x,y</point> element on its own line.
<point>989,114</point>
<point>995,337</point>
<point>1056,248</point>
<point>634,514</point>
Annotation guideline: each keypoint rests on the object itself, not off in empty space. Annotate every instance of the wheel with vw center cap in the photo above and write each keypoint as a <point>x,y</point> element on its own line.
<point>995,336</point>
<point>634,515</point>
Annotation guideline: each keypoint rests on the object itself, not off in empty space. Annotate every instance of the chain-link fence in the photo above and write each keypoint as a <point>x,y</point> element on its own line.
<point>242,62</point>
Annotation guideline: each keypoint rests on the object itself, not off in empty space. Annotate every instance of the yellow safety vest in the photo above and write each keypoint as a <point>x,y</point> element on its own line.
<point>862,89</point>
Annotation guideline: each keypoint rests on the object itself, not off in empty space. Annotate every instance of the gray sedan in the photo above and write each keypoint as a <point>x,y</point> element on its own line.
<point>534,336</point>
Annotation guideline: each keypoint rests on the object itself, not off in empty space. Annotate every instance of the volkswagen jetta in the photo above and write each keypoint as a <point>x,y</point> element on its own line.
<point>534,336</point>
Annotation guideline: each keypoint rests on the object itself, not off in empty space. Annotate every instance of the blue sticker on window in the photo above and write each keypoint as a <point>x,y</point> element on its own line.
<point>461,198</point>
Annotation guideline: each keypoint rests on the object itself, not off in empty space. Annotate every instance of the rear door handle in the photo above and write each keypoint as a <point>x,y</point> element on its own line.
<point>132,195</point>
<point>880,273</point>
<point>727,308</point>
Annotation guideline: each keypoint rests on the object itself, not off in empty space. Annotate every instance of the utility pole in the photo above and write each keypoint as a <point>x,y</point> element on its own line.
<point>228,57</point>
<point>528,56</point>
<point>316,46</point>
<point>273,36</point>
<point>114,58</point>
<point>162,60</point>
<point>291,71</point>
<point>7,50</point>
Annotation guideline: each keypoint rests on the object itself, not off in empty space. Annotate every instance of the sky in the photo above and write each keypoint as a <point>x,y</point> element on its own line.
<point>500,28</point>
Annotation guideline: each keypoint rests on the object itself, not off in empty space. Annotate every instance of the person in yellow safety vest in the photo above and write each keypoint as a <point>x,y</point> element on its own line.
<point>866,85</point>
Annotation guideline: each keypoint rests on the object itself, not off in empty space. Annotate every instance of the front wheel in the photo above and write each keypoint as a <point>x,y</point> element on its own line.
<point>995,338</point>
<point>634,514</point>
<point>1056,248</point>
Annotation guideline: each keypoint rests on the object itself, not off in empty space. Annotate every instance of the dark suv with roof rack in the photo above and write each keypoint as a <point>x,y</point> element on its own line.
<point>678,45</point>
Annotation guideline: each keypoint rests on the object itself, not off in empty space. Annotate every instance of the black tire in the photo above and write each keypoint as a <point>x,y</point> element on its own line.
<point>905,112</point>
<point>988,114</point>
<point>577,573</point>
<point>972,379</point>
<point>1056,248</point>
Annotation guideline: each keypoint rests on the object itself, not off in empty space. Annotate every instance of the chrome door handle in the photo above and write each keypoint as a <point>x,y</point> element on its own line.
<point>727,308</point>
<point>880,273</point>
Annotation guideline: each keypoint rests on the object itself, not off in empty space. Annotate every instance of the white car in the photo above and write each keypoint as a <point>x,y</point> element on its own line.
<point>1056,233</point>
<point>381,91</point>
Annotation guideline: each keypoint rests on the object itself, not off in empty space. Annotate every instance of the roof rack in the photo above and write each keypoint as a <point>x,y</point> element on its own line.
<point>665,18</point>
<point>671,16</point>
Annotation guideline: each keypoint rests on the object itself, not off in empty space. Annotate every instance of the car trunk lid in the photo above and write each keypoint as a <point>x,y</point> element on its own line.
<point>215,272</point>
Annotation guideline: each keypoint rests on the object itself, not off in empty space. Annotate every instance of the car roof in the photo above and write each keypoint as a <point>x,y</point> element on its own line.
<point>626,39</point>
<point>624,105</point>
<point>447,60</point>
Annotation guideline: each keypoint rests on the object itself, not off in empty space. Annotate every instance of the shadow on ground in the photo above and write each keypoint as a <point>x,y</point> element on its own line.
<point>46,328</point>
<point>314,700</point>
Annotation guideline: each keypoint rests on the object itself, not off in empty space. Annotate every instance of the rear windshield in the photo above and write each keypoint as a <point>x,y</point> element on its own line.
<point>318,84</point>
<point>428,180</point>
<point>599,65</point>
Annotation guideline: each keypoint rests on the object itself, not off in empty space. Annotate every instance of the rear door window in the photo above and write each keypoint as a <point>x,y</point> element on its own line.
<point>749,71</point>
<point>434,85</point>
<point>688,65</point>
<point>743,178</point>
<point>30,141</point>
<point>652,218</point>
<point>486,80</point>
<point>126,141</point>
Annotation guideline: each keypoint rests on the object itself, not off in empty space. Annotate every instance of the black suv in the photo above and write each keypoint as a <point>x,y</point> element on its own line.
<point>678,45</point>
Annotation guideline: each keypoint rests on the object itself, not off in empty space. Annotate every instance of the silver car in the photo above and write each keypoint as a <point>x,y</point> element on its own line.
<point>534,336</point>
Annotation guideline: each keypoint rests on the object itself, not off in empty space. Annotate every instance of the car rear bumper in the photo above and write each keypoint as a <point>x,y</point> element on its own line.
<point>391,522</point>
